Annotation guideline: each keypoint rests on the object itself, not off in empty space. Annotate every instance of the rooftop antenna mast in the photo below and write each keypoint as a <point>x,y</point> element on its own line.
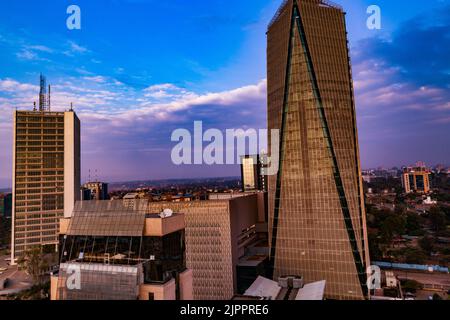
<point>48,98</point>
<point>42,93</point>
<point>44,97</point>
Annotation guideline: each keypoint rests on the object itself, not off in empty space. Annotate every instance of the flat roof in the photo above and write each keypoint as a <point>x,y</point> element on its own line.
<point>251,261</point>
<point>263,287</point>
<point>312,291</point>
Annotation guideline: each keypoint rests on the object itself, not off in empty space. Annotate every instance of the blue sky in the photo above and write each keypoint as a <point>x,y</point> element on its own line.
<point>140,68</point>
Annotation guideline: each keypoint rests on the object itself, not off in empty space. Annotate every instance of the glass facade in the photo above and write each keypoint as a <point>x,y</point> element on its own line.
<point>106,242</point>
<point>317,219</point>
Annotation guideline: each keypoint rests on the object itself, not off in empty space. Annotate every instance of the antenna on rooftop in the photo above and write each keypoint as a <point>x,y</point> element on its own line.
<point>71,106</point>
<point>48,98</point>
<point>44,98</point>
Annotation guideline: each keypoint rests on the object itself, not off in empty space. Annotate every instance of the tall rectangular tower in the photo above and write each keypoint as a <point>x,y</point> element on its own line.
<point>317,217</point>
<point>46,176</point>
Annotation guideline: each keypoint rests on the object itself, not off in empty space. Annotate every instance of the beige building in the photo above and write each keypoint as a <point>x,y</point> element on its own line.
<point>252,172</point>
<point>317,222</point>
<point>217,235</point>
<point>46,176</point>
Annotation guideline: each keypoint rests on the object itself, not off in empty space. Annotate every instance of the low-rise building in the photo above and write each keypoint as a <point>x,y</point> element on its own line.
<point>110,251</point>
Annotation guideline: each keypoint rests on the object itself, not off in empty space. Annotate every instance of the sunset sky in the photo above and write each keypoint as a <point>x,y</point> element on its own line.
<point>139,69</point>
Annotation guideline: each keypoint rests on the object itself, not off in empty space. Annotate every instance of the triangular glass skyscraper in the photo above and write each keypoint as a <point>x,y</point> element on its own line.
<point>317,221</point>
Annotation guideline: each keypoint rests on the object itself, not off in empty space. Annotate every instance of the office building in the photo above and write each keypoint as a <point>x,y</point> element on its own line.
<point>98,190</point>
<point>416,179</point>
<point>85,194</point>
<point>122,253</point>
<point>218,236</point>
<point>317,224</point>
<point>46,174</point>
<point>252,173</point>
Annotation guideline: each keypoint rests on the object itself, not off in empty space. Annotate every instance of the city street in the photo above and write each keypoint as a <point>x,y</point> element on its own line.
<point>17,280</point>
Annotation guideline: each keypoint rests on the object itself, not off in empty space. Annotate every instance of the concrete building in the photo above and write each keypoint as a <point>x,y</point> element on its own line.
<point>129,199</point>
<point>98,190</point>
<point>252,173</point>
<point>122,252</point>
<point>416,179</point>
<point>46,174</point>
<point>317,221</point>
<point>218,235</point>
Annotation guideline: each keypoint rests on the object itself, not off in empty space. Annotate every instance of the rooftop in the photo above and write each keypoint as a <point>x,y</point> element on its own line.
<point>113,218</point>
<point>285,2</point>
<point>287,288</point>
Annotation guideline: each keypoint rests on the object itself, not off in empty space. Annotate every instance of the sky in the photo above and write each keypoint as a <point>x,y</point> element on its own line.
<point>139,69</point>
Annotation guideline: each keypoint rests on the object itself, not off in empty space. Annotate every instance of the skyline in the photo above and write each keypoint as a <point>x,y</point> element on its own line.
<point>129,96</point>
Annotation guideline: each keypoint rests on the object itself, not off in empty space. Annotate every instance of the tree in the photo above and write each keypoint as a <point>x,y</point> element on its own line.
<point>5,231</point>
<point>427,244</point>
<point>411,286</point>
<point>394,225</point>
<point>437,219</point>
<point>415,256</point>
<point>413,224</point>
<point>34,262</point>
<point>374,247</point>
<point>437,297</point>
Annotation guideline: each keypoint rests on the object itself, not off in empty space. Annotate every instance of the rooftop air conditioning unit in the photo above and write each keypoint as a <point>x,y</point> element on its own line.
<point>283,282</point>
<point>297,283</point>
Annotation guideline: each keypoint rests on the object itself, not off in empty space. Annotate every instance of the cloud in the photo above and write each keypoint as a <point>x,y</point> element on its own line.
<point>402,92</point>
<point>114,115</point>
<point>28,55</point>
<point>40,48</point>
<point>98,79</point>
<point>10,85</point>
<point>74,49</point>
<point>419,49</point>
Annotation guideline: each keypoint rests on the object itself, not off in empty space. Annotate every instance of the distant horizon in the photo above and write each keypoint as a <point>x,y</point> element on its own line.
<point>134,76</point>
<point>112,181</point>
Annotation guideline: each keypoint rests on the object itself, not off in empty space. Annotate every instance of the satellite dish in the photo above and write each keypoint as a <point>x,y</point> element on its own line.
<point>166,213</point>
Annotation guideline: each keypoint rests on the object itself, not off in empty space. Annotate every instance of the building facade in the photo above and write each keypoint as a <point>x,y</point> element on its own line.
<point>416,179</point>
<point>317,223</point>
<point>122,252</point>
<point>46,176</point>
<point>97,190</point>
<point>252,173</point>
<point>218,232</point>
